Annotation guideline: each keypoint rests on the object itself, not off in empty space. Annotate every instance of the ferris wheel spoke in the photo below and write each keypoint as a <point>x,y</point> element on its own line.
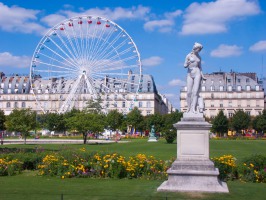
<point>70,58</point>
<point>94,41</point>
<point>68,48</point>
<point>102,31</point>
<point>71,44</point>
<point>59,55</point>
<point>112,61</point>
<point>77,43</point>
<point>110,52</point>
<point>64,64</point>
<point>52,65</point>
<point>110,45</point>
<point>100,49</point>
<point>117,63</point>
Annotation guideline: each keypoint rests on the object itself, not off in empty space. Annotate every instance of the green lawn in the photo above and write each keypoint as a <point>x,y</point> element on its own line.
<point>29,186</point>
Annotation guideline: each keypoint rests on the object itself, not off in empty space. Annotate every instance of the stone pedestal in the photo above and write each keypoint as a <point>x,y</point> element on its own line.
<point>193,171</point>
<point>152,139</point>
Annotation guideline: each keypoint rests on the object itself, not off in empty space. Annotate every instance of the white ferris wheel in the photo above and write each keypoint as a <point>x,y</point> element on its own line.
<point>84,58</point>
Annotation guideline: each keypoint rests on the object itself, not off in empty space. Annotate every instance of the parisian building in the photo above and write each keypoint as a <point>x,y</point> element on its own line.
<point>16,92</point>
<point>229,92</point>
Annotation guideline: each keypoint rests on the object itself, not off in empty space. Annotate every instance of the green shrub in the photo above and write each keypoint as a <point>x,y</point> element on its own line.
<point>253,169</point>
<point>170,136</point>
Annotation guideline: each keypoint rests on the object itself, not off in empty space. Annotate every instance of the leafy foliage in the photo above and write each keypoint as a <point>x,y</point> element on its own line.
<point>22,121</point>
<point>114,119</point>
<point>259,123</point>
<point>220,124</point>
<point>2,120</point>
<point>240,120</point>
<point>84,123</point>
<point>135,119</point>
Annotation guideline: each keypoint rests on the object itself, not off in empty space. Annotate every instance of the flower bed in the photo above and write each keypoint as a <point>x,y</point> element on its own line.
<point>9,167</point>
<point>103,165</point>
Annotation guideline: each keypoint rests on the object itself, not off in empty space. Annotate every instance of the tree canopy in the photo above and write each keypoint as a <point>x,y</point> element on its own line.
<point>22,121</point>
<point>220,124</point>
<point>240,121</point>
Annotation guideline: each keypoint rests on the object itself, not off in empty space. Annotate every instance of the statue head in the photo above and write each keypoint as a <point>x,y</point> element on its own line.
<point>197,46</point>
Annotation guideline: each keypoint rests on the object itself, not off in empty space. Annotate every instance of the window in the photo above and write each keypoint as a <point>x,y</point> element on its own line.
<point>203,88</point>
<point>16,105</point>
<point>221,105</point>
<point>239,88</point>
<point>230,114</point>
<point>212,95</point>
<point>212,105</point>
<point>115,104</point>
<point>123,104</point>
<point>140,104</point>
<point>148,112</point>
<point>221,88</point>
<point>212,81</point>
<point>230,88</point>
<point>229,80</point>
<point>212,88</point>
<point>239,80</point>
<point>248,112</point>
<point>220,81</point>
<point>247,80</point>
<point>257,87</point>
<point>148,104</point>
<point>248,87</point>
<point>8,104</point>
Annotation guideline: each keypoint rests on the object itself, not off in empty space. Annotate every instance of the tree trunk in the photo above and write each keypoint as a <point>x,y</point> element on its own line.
<point>85,138</point>
<point>25,139</point>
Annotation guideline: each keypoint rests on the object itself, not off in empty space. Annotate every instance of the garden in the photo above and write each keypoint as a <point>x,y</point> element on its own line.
<point>130,170</point>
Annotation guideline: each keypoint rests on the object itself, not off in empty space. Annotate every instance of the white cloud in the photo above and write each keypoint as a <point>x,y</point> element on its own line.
<point>9,60</point>
<point>212,17</point>
<point>152,61</point>
<point>259,46</point>
<point>176,82</point>
<point>163,25</point>
<point>226,51</point>
<point>18,19</point>
<point>53,19</point>
<point>139,12</point>
<point>158,24</point>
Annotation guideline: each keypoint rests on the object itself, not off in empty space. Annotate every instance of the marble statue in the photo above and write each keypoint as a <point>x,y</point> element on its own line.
<point>194,77</point>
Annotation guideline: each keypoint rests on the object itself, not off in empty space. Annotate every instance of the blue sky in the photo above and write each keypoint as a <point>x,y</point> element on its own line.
<point>233,33</point>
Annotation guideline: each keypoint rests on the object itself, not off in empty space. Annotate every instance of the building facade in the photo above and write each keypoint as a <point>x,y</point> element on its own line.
<point>229,92</point>
<point>16,92</point>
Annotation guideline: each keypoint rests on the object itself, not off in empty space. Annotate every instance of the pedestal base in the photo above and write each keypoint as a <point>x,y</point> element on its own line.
<point>193,176</point>
<point>152,139</point>
<point>193,171</point>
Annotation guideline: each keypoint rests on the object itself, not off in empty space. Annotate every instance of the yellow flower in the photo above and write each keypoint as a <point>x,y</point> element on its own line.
<point>62,177</point>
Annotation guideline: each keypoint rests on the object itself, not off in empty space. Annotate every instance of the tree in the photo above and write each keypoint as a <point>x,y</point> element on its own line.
<point>55,122</point>
<point>94,105</point>
<point>22,121</point>
<point>156,120</point>
<point>240,121</point>
<point>135,119</point>
<point>259,122</point>
<point>86,122</point>
<point>171,118</point>
<point>220,124</point>
<point>114,119</point>
<point>2,120</point>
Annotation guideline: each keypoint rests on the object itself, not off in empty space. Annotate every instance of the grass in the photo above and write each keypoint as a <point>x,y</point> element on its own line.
<point>30,186</point>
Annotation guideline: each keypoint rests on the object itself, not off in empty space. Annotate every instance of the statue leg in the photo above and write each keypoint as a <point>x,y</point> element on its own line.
<point>195,93</point>
<point>189,92</point>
